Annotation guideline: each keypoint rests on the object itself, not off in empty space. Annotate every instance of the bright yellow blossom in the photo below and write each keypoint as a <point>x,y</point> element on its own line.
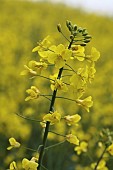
<point>29,165</point>
<point>78,52</point>
<point>13,166</point>
<point>13,143</point>
<point>57,55</point>
<point>52,117</point>
<point>101,165</point>
<point>78,84</point>
<point>33,92</point>
<point>34,68</point>
<point>95,55</point>
<point>72,139</point>
<point>72,119</point>
<point>57,84</point>
<point>83,73</point>
<point>81,148</point>
<point>110,149</point>
<point>91,73</point>
<point>86,103</point>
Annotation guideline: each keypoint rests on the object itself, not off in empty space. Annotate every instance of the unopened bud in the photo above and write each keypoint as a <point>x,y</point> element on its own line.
<point>83,44</point>
<point>75,27</point>
<point>80,29</point>
<point>87,36</point>
<point>67,23</point>
<point>87,40</point>
<point>59,28</point>
<point>71,36</point>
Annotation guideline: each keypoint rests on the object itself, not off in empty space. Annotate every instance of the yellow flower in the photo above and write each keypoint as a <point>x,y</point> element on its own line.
<point>78,84</point>
<point>34,68</point>
<point>95,55</point>
<point>101,166</point>
<point>83,73</point>
<point>57,55</point>
<point>13,143</point>
<point>91,73</point>
<point>57,84</point>
<point>78,52</point>
<point>13,166</point>
<point>110,149</point>
<point>44,45</point>
<point>72,139</point>
<point>72,120</point>
<point>81,148</point>
<point>86,103</point>
<point>33,92</point>
<point>29,165</point>
<point>52,117</point>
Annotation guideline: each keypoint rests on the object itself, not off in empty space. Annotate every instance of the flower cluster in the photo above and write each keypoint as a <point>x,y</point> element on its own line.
<point>62,59</point>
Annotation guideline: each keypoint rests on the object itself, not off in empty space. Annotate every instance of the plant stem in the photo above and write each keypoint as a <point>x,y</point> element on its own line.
<point>100,158</point>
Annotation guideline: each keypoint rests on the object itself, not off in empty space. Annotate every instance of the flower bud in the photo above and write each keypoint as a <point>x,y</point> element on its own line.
<point>59,28</point>
<point>87,36</point>
<point>83,44</point>
<point>75,27</point>
<point>87,40</point>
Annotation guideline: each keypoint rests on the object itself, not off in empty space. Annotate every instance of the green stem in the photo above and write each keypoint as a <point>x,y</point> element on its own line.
<point>66,98</point>
<point>100,158</point>
<point>57,133</point>
<point>71,68</point>
<point>24,117</point>
<point>29,149</point>
<point>57,144</point>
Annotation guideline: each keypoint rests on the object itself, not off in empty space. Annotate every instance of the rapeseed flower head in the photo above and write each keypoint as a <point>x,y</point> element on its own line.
<point>86,103</point>
<point>33,92</point>
<point>72,139</point>
<point>72,119</point>
<point>29,164</point>
<point>13,143</point>
<point>81,148</point>
<point>52,117</point>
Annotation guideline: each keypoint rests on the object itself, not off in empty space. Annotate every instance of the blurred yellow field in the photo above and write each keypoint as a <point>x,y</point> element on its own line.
<point>22,25</point>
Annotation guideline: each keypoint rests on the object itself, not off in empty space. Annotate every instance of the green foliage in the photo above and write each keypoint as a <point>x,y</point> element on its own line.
<point>21,25</point>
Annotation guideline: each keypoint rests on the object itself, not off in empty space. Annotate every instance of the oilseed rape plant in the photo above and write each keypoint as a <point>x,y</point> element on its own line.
<point>71,70</point>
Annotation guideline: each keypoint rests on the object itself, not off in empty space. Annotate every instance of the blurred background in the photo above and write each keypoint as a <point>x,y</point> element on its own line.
<point>22,25</point>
